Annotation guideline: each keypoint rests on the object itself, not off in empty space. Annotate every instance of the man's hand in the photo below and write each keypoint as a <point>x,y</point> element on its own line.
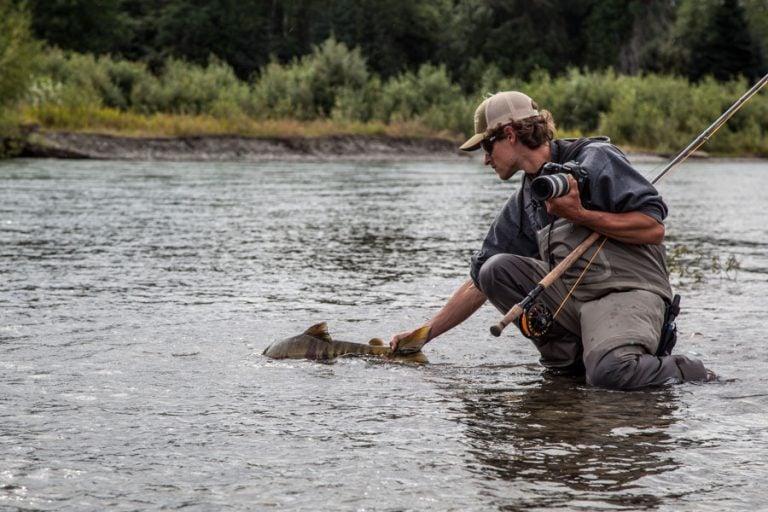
<point>568,206</point>
<point>395,341</point>
<point>630,227</point>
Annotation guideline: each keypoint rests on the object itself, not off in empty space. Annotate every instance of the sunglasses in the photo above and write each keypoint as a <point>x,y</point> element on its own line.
<point>487,144</point>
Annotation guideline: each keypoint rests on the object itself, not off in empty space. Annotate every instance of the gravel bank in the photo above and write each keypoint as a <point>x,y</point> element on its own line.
<point>233,148</point>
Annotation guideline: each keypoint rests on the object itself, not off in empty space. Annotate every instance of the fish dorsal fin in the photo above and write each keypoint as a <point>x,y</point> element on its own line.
<point>376,342</point>
<point>319,331</point>
<point>413,342</point>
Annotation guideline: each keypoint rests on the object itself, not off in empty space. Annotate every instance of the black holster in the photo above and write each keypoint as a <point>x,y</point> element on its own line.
<point>669,329</point>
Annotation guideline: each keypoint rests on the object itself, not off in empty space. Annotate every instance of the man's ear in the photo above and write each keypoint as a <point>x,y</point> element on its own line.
<point>510,134</point>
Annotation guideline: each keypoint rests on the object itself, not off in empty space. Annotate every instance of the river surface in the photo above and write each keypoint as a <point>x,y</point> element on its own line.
<point>136,299</point>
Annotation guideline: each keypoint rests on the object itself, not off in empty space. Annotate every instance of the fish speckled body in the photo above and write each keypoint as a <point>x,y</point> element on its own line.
<point>316,344</point>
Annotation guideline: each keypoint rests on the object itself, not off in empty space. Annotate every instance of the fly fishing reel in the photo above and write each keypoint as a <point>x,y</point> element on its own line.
<point>536,320</point>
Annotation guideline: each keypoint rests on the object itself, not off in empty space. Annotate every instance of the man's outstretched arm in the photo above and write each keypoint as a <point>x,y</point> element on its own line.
<point>462,304</point>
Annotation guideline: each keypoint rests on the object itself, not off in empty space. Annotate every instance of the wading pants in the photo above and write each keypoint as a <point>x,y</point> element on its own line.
<point>613,337</point>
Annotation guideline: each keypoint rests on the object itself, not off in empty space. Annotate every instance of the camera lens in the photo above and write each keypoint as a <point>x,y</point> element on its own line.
<point>549,187</point>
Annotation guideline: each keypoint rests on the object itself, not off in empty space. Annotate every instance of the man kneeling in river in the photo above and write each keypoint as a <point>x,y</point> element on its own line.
<point>606,320</point>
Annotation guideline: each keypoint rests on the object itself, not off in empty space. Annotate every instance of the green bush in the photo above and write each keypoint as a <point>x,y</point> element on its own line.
<point>579,100</point>
<point>335,68</point>
<point>77,80</point>
<point>83,78</point>
<point>125,76</point>
<point>427,95</point>
<point>633,119</point>
<point>357,104</point>
<point>311,86</point>
<point>284,92</point>
<point>184,88</point>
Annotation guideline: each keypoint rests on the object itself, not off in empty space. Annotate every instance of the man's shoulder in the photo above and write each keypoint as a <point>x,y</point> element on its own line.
<point>572,148</point>
<point>602,153</point>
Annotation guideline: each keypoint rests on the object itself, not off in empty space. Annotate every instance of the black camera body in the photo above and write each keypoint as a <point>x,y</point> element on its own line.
<point>553,182</point>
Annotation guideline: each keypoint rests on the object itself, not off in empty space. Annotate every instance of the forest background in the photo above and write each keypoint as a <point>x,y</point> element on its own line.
<point>652,74</point>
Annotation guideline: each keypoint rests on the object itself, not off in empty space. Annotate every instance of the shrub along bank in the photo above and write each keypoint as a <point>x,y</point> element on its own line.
<point>331,91</point>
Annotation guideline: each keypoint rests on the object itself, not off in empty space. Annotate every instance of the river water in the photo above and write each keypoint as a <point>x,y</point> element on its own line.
<point>136,299</point>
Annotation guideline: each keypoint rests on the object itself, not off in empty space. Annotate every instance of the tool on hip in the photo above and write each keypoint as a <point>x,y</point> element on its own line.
<point>521,307</point>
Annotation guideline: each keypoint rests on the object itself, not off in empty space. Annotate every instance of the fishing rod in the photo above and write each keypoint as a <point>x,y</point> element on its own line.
<point>519,308</point>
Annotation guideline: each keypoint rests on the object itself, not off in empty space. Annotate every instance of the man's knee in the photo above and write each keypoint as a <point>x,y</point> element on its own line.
<point>489,272</point>
<point>501,273</point>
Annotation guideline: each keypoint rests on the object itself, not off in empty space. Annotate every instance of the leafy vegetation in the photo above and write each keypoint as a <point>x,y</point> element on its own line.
<point>687,266</point>
<point>651,75</point>
<point>333,88</point>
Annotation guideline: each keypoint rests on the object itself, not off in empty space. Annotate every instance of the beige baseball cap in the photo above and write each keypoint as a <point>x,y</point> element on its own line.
<point>499,109</point>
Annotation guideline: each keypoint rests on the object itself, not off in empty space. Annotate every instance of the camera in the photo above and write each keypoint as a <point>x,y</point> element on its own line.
<point>554,180</point>
<point>549,187</point>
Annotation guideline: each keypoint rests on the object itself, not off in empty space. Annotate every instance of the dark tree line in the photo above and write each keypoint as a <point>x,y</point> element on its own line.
<point>691,38</point>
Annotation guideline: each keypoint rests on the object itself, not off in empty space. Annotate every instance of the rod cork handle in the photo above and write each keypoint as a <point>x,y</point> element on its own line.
<point>512,315</point>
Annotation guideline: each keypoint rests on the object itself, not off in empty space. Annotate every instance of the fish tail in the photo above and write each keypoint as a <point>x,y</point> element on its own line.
<point>414,341</point>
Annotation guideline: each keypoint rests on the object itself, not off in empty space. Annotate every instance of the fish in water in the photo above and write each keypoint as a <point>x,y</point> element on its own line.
<point>316,344</point>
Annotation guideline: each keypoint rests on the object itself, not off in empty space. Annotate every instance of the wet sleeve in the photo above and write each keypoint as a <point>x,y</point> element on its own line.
<point>616,186</point>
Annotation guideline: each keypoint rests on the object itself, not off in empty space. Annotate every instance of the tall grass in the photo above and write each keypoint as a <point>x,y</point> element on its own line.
<point>331,91</point>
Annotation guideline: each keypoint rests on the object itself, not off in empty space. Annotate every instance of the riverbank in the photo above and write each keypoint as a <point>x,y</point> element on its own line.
<point>50,144</point>
<point>240,148</point>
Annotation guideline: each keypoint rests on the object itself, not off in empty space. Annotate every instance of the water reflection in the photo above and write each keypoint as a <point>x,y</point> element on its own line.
<point>589,443</point>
